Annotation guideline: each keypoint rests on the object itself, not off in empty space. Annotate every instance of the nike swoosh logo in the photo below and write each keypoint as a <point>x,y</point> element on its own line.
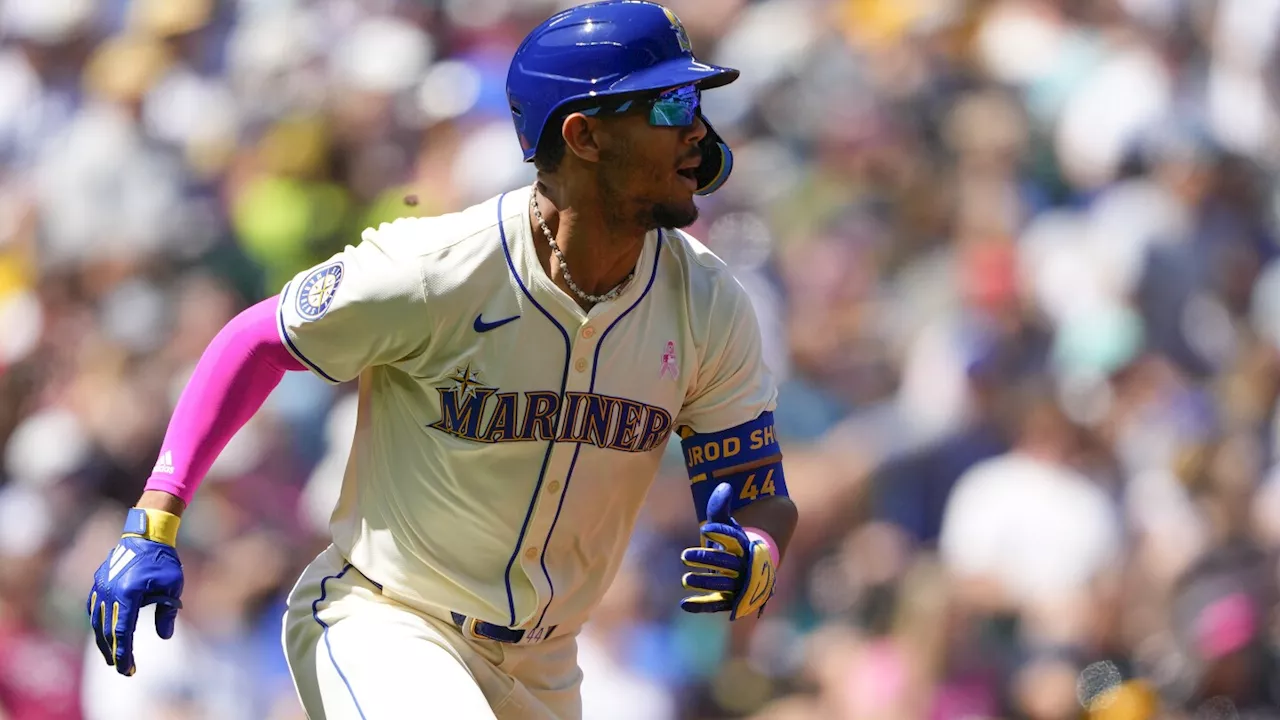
<point>481,326</point>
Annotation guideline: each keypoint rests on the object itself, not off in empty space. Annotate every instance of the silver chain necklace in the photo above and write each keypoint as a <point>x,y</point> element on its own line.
<point>564,266</point>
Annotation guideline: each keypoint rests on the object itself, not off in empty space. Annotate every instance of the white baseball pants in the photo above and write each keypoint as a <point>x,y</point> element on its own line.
<point>356,655</point>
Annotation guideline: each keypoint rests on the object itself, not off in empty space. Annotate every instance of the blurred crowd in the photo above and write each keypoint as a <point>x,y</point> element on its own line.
<point>1015,262</point>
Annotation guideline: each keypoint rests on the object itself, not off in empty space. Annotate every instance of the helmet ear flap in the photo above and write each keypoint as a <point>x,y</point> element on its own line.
<point>717,161</point>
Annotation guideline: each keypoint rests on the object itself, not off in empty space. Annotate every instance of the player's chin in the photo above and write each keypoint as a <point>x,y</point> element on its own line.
<point>675,213</point>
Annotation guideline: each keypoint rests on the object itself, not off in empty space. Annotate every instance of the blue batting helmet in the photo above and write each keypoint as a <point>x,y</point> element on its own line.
<point>616,47</point>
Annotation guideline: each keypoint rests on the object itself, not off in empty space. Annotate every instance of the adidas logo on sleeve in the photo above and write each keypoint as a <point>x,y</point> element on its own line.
<point>164,464</point>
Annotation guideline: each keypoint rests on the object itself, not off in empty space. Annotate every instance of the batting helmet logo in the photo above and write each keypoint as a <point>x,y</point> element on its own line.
<point>682,37</point>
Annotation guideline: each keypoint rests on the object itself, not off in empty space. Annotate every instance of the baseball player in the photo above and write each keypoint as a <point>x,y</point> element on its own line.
<point>521,365</point>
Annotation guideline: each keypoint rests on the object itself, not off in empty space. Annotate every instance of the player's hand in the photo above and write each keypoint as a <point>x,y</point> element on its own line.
<point>142,569</point>
<point>733,572</point>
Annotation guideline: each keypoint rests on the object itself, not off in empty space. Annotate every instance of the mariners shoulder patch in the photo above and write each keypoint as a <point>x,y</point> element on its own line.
<point>315,295</point>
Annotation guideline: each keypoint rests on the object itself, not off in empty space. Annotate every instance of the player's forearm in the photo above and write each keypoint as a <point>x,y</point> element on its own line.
<point>775,515</point>
<point>236,373</point>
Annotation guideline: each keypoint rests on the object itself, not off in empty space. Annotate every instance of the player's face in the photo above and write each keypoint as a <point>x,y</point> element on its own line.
<point>645,172</point>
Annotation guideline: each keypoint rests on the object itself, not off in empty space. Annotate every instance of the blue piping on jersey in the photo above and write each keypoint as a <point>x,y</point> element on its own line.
<point>546,458</point>
<point>595,365</point>
<point>284,335</point>
<point>315,614</point>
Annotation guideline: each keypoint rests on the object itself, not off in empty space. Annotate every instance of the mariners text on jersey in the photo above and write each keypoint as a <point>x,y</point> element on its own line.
<point>485,415</point>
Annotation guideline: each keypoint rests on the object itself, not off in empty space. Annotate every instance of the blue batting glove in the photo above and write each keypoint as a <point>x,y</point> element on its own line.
<point>735,573</point>
<point>141,570</point>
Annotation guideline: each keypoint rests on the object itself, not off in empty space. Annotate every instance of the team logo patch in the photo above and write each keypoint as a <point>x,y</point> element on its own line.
<point>682,37</point>
<point>315,295</point>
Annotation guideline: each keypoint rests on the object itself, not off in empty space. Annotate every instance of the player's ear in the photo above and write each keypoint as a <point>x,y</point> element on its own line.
<point>582,136</point>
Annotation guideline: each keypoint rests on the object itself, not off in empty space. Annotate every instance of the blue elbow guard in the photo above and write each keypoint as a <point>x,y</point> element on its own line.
<point>746,456</point>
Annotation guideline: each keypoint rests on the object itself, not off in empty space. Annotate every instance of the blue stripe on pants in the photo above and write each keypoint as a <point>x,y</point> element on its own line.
<point>315,614</point>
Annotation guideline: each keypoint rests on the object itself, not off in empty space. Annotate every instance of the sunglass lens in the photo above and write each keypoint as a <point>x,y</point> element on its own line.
<point>675,108</point>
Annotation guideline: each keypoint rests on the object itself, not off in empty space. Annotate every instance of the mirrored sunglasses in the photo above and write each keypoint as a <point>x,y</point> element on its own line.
<point>674,108</point>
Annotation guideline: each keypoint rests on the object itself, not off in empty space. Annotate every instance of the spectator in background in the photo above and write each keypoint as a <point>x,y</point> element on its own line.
<point>1219,612</point>
<point>39,671</point>
<point>1029,536</point>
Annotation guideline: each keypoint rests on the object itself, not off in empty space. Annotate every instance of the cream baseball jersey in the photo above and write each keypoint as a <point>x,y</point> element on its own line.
<point>505,438</point>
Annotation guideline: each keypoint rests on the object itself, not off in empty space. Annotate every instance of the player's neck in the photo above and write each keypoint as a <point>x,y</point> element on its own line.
<point>599,250</point>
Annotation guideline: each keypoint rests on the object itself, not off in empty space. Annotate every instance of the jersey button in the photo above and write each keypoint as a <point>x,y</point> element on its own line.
<point>581,365</point>
<point>553,487</point>
<point>588,332</point>
<point>531,554</point>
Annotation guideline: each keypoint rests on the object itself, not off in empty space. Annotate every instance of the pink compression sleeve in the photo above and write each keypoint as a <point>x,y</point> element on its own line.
<point>239,369</point>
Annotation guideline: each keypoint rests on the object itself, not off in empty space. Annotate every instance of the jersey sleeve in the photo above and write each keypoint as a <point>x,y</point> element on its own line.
<point>362,307</point>
<point>733,385</point>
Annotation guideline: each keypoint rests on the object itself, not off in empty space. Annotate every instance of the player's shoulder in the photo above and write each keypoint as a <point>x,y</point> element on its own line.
<point>688,248</point>
<point>704,273</point>
<point>410,238</point>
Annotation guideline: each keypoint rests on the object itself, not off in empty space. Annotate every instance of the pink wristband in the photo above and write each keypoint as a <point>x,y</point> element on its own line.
<point>754,534</point>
